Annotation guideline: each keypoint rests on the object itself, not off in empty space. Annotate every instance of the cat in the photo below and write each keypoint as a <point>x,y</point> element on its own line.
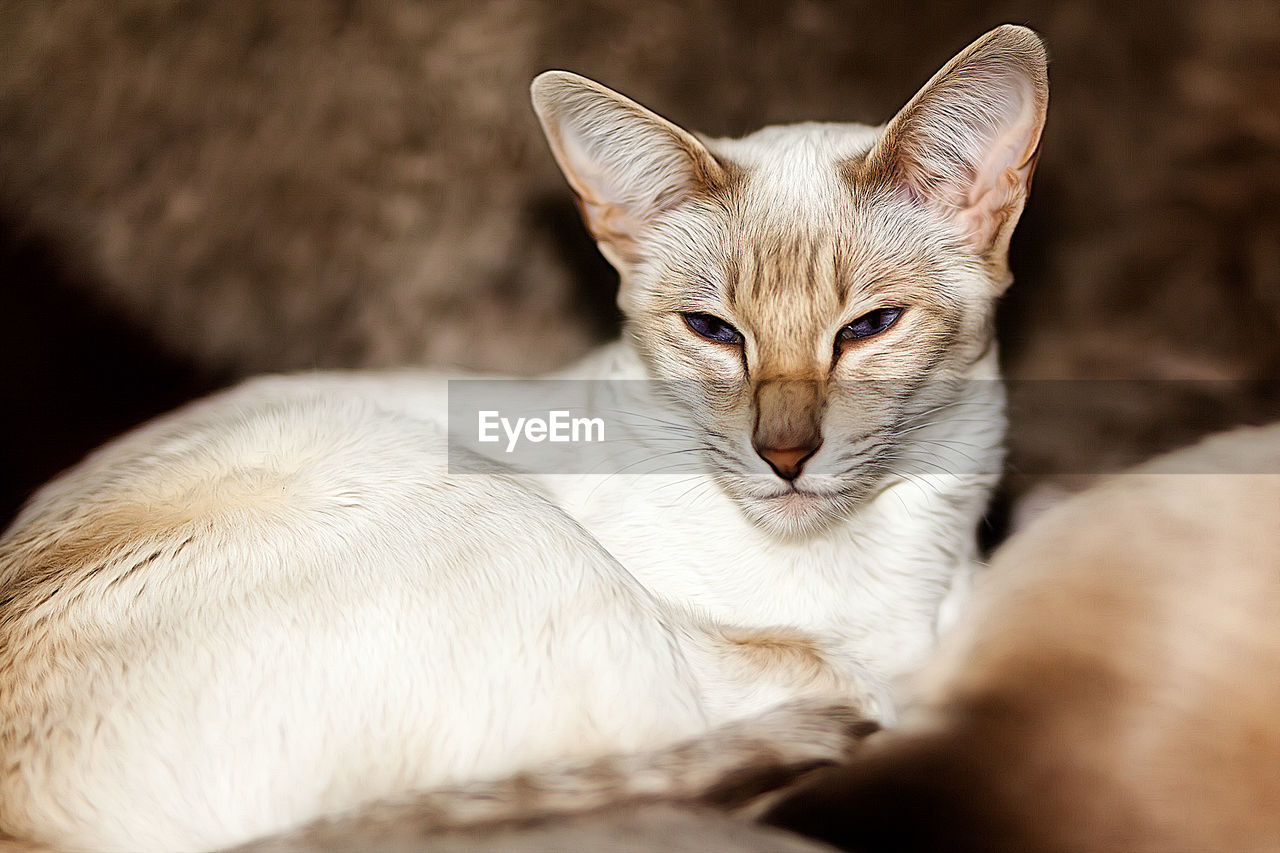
<point>291,599</point>
<point>1112,687</point>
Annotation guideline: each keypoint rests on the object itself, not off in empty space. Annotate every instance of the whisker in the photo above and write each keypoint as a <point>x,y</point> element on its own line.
<point>918,415</point>
<point>685,427</point>
<point>946,421</point>
<point>939,468</point>
<point>702,483</point>
<point>948,443</point>
<point>624,468</point>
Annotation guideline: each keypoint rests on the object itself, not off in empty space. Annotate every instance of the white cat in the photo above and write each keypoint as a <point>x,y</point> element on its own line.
<point>283,601</point>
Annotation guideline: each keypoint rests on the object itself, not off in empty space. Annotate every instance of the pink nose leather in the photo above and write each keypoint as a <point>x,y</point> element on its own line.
<point>786,461</point>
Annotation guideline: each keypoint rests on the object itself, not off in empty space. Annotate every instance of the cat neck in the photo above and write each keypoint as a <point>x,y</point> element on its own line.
<point>873,581</point>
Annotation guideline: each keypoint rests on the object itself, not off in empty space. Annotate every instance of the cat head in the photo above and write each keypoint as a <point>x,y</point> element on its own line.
<point>810,286</point>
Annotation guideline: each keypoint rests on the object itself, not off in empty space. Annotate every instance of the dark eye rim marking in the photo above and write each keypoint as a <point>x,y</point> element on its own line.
<point>712,328</point>
<point>869,324</point>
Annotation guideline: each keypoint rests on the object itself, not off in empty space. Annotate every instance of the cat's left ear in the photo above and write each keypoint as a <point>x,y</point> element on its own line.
<point>626,164</point>
<point>966,144</point>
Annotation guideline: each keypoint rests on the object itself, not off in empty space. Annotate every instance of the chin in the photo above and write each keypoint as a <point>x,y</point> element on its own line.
<point>796,512</point>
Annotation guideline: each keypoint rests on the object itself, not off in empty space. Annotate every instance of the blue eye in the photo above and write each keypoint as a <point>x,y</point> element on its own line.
<point>870,323</point>
<point>713,328</point>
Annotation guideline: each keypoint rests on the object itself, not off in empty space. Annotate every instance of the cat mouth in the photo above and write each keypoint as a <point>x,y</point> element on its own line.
<point>792,492</point>
<point>791,508</point>
<point>798,510</point>
<point>798,498</point>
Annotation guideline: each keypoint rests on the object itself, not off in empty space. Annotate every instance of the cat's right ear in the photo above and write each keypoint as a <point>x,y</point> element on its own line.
<point>966,145</point>
<point>626,164</point>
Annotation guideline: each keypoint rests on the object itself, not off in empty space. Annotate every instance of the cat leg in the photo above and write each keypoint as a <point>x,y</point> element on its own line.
<point>746,671</point>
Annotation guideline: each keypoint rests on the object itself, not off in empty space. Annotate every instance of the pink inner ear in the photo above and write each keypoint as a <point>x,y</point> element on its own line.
<point>987,214</point>
<point>626,166</point>
<point>975,171</point>
<point>613,229</point>
<point>1011,149</point>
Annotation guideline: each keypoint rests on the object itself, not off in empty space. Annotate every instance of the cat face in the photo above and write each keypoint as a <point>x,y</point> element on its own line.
<point>809,292</point>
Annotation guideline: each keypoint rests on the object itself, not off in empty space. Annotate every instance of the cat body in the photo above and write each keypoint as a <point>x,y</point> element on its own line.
<point>290,600</point>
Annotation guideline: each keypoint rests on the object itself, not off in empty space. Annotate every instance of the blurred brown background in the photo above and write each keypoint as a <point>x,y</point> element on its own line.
<point>194,191</point>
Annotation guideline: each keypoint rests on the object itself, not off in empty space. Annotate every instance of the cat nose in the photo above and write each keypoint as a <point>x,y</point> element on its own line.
<point>787,462</point>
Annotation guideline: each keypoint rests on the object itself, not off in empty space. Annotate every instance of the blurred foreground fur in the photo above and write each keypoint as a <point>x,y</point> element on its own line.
<point>630,828</point>
<point>1114,687</point>
<point>191,192</point>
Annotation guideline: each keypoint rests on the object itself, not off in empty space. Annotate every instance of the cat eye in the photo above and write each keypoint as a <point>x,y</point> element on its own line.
<point>870,323</point>
<point>712,328</point>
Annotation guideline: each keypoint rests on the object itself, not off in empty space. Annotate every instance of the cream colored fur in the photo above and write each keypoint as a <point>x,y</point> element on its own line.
<point>281,603</point>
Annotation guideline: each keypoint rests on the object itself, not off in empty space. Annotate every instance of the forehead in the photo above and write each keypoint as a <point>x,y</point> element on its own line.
<point>795,233</point>
<point>791,174</point>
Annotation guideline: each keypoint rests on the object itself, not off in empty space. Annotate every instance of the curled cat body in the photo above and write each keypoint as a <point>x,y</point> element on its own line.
<point>289,600</point>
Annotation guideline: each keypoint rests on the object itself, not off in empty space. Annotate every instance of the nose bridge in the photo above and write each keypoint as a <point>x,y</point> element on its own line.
<point>789,413</point>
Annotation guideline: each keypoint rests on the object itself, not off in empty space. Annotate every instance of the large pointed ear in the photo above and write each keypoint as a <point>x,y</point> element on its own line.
<point>966,144</point>
<point>626,164</point>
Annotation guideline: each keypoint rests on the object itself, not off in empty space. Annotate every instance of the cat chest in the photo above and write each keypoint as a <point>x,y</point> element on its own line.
<point>880,604</point>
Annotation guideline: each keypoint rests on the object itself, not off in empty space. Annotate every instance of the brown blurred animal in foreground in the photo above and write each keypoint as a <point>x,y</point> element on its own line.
<point>1114,688</point>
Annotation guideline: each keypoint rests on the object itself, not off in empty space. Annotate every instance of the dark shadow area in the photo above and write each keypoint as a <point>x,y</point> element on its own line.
<point>73,371</point>
<point>1030,257</point>
<point>594,293</point>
